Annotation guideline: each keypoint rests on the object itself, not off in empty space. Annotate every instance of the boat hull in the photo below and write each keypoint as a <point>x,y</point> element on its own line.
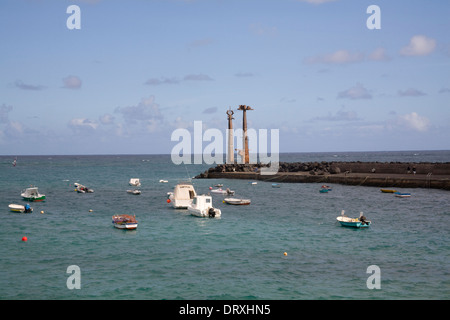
<point>18,208</point>
<point>124,221</point>
<point>388,190</point>
<point>204,213</point>
<point>237,202</point>
<point>353,223</point>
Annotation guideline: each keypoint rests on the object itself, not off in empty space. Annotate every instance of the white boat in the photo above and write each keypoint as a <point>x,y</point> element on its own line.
<point>20,208</point>
<point>201,206</point>
<point>82,189</point>
<point>135,182</point>
<point>32,194</point>
<point>163,181</point>
<point>360,222</point>
<point>124,221</point>
<point>221,191</point>
<point>182,195</point>
<point>134,191</point>
<point>237,201</point>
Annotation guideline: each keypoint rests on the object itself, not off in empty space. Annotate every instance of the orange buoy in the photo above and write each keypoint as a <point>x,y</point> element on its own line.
<point>168,200</point>
<point>24,239</point>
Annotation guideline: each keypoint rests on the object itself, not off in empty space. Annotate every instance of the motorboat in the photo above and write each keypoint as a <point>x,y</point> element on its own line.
<point>124,221</point>
<point>221,191</point>
<point>360,222</point>
<point>134,191</point>
<point>325,187</point>
<point>201,206</point>
<point>402,195</point>
<point>20,208</point>
<point>388,190</point>
<point>237,201</point>
<point>163,181</point>
<point>135,182</point>
<point>182,195</point>
<point>276,185</point>
<point>82,189</point>
<point>323,190</point>
<point>32,194</point>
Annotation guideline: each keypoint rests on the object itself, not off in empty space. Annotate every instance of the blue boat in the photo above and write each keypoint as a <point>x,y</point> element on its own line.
<point>360,222</point>
<point>276,185</point>
<point>402,195</point>
<point>323,190</point>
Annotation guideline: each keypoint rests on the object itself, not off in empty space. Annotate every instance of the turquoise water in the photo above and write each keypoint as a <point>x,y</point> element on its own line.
<point>173,255</point>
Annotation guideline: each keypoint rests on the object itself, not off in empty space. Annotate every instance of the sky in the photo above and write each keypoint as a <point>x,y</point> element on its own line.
<point>120,77</point>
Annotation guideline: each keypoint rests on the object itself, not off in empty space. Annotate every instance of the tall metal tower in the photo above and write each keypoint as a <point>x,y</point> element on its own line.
<point>230,155</point>
<point>244,108</point>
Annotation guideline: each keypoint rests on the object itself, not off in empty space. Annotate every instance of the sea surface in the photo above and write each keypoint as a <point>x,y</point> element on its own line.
<point>286,245</point>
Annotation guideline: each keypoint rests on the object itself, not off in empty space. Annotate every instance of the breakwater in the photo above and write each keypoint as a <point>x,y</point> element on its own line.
<point>377,174</point>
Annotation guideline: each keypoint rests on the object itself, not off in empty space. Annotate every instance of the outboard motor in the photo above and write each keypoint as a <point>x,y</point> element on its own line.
<point>211,212</point>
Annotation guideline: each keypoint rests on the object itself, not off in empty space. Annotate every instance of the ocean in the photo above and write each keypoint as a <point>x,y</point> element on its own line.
<point>286,245</point>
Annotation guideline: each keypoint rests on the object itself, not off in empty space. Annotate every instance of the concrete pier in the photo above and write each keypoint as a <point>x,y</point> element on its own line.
<point>383,175</point>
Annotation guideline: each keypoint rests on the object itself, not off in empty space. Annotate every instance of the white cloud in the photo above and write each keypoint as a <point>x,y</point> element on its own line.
<point>379,54</point>
<point>356,92</point>
<point>71,82</point>
<point>80,125</point>
<point>411,92</point>
<point>419,45</point>
<point>414,121</point>
<point>338,57</point>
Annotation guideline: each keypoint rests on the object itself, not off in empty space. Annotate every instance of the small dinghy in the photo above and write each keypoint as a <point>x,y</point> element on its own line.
<point>360,222</point>
<point>20,208</point>
<point>236,201</point>
<point>124,221</point>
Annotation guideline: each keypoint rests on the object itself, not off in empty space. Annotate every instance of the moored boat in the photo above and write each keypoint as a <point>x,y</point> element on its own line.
<point>134,182</point>
<point>388,190</point>
<point>136,192</point>
<point>20,208</point>
<point>32,194</point>
<point>221,191</point>
<point>360,222</point>
<point>201,206</point>
<point>237,201</point>
<point>124,221</point>
<point>402,195</point>
<point>182,195</point>
<point>82,189</point>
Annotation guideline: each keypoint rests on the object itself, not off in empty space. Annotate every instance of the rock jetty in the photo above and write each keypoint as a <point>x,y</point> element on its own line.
<point>379,174</point>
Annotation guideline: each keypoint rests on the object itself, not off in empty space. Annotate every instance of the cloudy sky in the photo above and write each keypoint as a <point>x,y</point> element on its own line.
<point>136,71</point>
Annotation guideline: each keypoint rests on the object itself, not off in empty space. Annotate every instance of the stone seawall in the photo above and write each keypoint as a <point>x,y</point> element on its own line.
<point>387,175</point>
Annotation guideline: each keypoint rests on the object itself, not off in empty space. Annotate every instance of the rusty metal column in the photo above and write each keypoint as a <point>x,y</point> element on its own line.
<point>230,155</point>
<point>244,108</point>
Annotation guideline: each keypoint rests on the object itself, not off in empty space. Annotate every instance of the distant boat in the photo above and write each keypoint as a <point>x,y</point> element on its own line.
<point>20,208</point>
<point>388,190</point>
<point>135,182</point>
<point>402,195</point>
<point>323,190</point>
<point>236,201</point>
<point>201,206</point>
<point>163,181</point>
<point>124,221</point>
<point>134,192</point>
<point>182,195</point>
<point>32,194</point>
<point>221,191</point>
<point>276,185</point>
<point>360,222</point>
<point>82,189</point>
